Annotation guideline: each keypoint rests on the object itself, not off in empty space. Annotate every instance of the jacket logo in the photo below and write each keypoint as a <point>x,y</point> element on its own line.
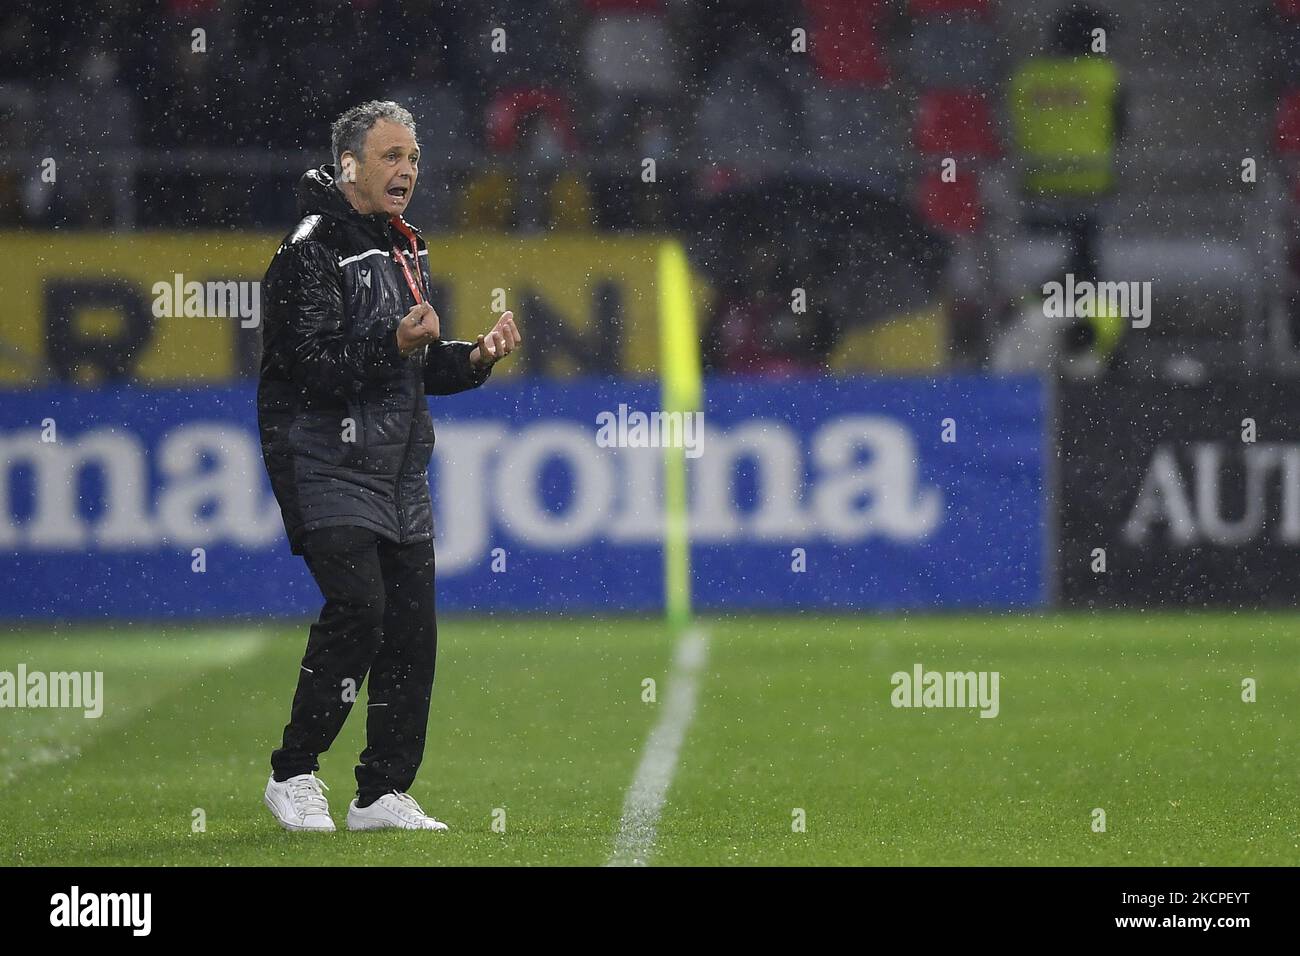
<point>365,278</point>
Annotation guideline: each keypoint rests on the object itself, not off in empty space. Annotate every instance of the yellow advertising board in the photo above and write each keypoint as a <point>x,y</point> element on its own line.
<point>90,306</point>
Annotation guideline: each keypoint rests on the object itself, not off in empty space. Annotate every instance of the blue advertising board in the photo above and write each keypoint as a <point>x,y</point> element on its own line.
<point>869,494</point>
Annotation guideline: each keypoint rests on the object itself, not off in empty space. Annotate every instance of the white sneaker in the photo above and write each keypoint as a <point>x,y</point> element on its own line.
<point>392,811</point>
<point>298,803</point>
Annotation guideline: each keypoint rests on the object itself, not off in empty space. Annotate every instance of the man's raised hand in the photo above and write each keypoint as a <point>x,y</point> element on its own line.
<point>497,344</point>
<point>418,328</point>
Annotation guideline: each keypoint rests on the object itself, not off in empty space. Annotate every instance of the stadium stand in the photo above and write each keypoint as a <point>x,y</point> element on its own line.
<point>547,135</point>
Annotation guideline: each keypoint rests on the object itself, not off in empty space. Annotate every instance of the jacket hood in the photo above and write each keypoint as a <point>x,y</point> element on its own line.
<point>318,196</point>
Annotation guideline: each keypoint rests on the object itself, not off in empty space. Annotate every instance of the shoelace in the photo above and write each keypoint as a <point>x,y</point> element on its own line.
<point>408,809</point>
<point>306,795</point>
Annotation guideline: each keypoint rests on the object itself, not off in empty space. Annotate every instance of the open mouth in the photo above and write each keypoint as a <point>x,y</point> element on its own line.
<point>398,192</point>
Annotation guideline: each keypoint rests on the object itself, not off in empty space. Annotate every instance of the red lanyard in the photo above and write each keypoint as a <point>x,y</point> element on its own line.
<point>416,281</point>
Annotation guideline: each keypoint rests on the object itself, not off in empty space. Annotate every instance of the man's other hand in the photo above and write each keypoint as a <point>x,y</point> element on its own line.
<point>497,344</point>
<point>418,328</point>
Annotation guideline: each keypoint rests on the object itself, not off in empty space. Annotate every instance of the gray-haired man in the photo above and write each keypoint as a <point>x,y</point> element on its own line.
<point>350,348</point>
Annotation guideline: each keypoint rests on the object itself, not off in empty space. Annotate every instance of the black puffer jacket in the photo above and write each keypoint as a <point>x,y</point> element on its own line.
<point>332,300</point>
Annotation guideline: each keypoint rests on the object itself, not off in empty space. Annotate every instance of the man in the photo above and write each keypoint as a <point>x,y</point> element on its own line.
<point>351,346</point>
<point>1068,117</point>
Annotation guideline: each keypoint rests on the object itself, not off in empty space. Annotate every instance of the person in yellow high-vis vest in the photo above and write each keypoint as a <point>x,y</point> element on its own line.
<point>1067,116</point>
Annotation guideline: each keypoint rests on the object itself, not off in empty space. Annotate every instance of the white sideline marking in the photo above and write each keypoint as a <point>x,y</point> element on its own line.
<point>645,798</point>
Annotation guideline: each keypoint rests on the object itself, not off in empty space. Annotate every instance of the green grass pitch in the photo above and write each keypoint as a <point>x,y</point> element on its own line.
<point>1137,714</point>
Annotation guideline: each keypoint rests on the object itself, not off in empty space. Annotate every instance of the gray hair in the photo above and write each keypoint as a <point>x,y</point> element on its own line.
<point>349,131</point>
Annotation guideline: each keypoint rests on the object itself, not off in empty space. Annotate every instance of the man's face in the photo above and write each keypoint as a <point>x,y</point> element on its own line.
<point>385,178</point>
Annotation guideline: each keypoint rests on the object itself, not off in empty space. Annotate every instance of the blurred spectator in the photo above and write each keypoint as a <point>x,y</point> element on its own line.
<point>532,186</point>
<point>1067,117</point>
<point>442,130</point>
<point>755,330</point>
<point>435,103</point>
<point>191,104</point>
<point>749,118</point>
<point>627,50</point>
<point>631,76</point>
<point>91,110</point>
<point>82,120</point>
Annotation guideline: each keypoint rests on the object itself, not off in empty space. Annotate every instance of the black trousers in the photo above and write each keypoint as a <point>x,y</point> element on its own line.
<point>378,620</point>
<point>1079,222</point>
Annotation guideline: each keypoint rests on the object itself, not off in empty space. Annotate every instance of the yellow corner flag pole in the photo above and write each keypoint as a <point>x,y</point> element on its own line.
<point>681,390</point>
